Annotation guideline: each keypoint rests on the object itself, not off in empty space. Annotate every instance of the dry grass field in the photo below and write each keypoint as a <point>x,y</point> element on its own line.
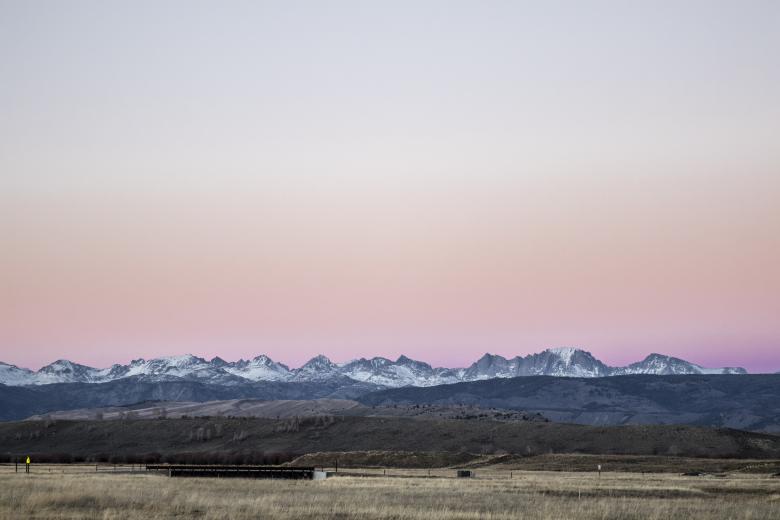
<point>402,494</point>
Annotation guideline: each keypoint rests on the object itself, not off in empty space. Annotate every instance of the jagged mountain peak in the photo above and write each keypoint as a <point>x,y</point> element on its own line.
<point>65,371</point>
<point>568,355</point>
<point>374,362</point>
<point>61,365</point>
<point>404,371</point>
<point>319,361</point>
<point>259,368</point>
<point>218,361</point>
<point>413,363</point>
<point>654,355</point>
<point>563,351</point>
<point>661,364</point>
<point>487,357</point>
<point>184,359</point>
<point>563,362</point>
<point>317,368</point>
<point>490,366</point>
<point>12,375</point>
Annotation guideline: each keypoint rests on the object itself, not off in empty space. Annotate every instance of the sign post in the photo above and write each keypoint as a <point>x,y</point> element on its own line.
<point>599,466</point>
<point>27,465</point>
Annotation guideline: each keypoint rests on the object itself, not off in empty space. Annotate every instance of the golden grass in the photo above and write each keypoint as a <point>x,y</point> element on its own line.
<point>405,494</point>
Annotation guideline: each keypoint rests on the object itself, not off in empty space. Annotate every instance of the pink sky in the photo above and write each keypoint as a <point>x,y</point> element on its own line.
<point>424,179</point>
<point>441,275</point>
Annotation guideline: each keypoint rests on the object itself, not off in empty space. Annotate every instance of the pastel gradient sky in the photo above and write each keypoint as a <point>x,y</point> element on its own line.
<point>438,179</point>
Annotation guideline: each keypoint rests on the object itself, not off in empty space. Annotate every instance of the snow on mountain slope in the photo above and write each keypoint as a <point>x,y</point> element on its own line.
<point>724,370</point>
<point>261,368</point>
<point>402,372</point>
<point>659,364</point>
<point>560,362</point>
<point>490,366</point>
<point>64,371</point>
<point>179,366</point>
<point>318,368</point>
<point>12,375</point>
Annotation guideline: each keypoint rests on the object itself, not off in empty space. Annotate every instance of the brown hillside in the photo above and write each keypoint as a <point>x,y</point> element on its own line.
<point>329,433</point>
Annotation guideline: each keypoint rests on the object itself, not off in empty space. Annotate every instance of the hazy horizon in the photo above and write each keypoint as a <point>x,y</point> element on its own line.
<point>435,179</point>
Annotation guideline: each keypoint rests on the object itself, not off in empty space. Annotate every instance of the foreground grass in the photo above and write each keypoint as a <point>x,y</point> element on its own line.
<point>409,495</point>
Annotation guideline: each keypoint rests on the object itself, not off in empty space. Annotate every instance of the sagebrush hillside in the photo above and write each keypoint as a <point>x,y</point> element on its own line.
<point>747,402</point>
<point>330,433</point>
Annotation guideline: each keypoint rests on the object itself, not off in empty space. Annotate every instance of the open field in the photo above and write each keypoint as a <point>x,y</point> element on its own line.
<point>443,464</point>
<point>492,495</point>
<point>546,462</point>
<point>283,409</point>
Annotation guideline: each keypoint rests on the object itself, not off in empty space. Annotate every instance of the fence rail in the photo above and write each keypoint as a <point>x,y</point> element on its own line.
<point>221,471</point>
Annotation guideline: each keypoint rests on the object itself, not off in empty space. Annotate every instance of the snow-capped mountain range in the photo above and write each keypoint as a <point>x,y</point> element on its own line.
<point>562,362</point>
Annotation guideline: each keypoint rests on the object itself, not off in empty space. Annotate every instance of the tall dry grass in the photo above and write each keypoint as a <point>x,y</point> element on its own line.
<point>403,495</point>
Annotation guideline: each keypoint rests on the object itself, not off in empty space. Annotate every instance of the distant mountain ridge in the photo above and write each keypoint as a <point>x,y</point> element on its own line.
<point>745,402</point>
<point>379,371</point>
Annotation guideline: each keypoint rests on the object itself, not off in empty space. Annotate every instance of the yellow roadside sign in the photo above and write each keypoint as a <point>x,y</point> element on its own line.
<point>28,460</point>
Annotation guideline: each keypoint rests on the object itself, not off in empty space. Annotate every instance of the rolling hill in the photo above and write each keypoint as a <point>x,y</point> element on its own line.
<point>749,402</point>
<point>338,434</point>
